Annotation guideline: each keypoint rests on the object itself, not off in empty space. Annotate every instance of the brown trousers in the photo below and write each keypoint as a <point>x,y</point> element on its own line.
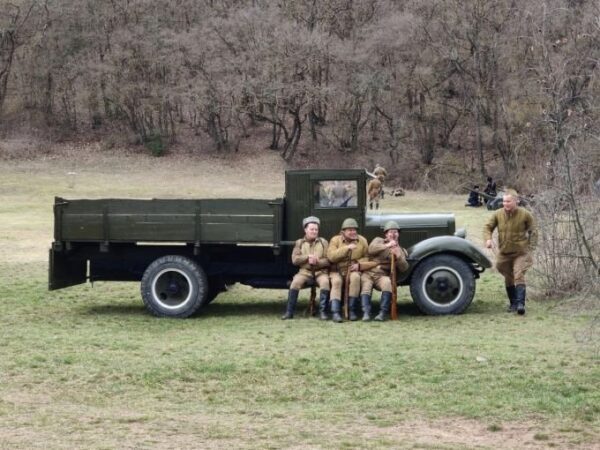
<point>513,267</point>
<point>337,282</point>
<point>300,280</point>
<point>379,280</point>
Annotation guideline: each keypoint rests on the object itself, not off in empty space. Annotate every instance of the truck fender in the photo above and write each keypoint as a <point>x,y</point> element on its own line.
<point>448,244</point>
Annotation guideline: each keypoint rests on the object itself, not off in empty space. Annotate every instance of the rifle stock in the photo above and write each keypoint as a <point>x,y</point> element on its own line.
<point>347,287</point>
<point>394,306</point>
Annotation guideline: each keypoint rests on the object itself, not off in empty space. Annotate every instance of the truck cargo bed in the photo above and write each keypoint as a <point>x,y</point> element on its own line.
<point>157,220</point>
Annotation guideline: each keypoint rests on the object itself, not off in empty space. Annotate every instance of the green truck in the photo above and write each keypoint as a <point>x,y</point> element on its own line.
<point>187,251</point>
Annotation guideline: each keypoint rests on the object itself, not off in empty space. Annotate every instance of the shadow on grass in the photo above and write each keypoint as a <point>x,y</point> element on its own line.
<point>257,308</point>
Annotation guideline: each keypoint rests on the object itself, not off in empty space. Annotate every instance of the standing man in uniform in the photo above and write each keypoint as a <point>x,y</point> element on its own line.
<point>517,238</point>
<point>374,191</point>
<point>380,253</point>
<point>347,251</point>
<point>381,174</point>
<point>310,254</point>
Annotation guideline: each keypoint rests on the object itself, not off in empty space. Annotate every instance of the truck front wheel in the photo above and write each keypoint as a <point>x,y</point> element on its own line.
<point>174,286</point>
<point>442,284</point>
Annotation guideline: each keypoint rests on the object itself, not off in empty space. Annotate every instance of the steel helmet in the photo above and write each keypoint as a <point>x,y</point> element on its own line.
<point>310,219</point>
<point>391,225</point>
<point>349,223</point>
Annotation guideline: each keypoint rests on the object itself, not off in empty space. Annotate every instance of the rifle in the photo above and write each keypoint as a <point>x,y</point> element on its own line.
<point>313,293</point>
<point>347,287</point>
<point>394,309</point>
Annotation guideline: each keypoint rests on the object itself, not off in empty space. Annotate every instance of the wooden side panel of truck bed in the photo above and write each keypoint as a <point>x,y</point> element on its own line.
<point>202,221</point>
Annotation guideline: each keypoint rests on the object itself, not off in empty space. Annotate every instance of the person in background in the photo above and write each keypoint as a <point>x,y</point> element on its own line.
<point>474,199</point>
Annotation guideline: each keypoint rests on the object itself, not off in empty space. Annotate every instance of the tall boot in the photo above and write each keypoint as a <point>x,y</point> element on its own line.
<point>512,297</point>
<point>386,301</point>
<point>336,307</point>
<point>521,293</point>
<point>365,300</point>
<point>370,205</point>
<point>323,297</point>
<point>377,205</point>
<point>291,304</point>
<point>353,307</point>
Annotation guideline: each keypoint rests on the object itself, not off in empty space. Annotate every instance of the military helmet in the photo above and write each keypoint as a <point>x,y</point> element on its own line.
<point>391,225</point>
<point>310,219</point>
<point>349,223</point>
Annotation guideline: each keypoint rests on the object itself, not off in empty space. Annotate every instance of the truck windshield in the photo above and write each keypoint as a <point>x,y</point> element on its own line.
<point>335,193</point>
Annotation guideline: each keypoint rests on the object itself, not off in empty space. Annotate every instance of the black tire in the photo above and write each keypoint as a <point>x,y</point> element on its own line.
<point>174,286</point>
<point>442,284</point>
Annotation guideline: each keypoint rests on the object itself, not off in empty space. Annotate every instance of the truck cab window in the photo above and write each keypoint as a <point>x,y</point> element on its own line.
<point>335,193</point>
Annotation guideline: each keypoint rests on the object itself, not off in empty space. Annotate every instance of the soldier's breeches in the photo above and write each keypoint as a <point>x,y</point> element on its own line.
<point>513,267</point>
<point>337,282</point>
<point>380,281</point>
<point>300,280</point>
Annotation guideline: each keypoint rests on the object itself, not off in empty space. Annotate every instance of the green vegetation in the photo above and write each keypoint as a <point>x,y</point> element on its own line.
<point>88,367</point>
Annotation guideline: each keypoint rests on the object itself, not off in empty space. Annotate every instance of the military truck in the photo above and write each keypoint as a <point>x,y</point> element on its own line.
<point>187,251</point>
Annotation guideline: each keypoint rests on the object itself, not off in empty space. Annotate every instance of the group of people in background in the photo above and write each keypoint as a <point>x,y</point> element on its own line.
<point>475,197</point>
<point>346,268</point>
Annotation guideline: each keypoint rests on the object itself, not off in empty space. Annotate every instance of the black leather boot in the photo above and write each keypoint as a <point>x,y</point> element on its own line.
<point>336,307</point>
<point>291,304</point>
<point>386,301</point>
<point>512,296</point>
<point>521,293</point>
<point>353,307</point>
<point>323,297</point>
<point>365,300</point>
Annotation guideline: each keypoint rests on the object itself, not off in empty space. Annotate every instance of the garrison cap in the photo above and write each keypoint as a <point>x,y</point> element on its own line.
<point>391,225</point>
<point>349,223</point>
<point>310,219</point>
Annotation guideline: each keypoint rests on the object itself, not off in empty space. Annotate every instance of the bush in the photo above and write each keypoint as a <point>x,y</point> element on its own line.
<point>156,144</point>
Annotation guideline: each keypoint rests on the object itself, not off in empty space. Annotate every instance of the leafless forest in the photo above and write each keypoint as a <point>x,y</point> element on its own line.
<point>435,88</point>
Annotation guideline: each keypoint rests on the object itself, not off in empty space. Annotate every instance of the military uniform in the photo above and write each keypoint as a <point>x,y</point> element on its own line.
<point>339,255</point>
<point>380,255</point>
<point>517,237</point>
<point>374,189</point>
<point>318,273</point>
<point>381,174</point>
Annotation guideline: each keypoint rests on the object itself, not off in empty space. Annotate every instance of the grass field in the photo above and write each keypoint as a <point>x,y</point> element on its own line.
<point>88,367</point>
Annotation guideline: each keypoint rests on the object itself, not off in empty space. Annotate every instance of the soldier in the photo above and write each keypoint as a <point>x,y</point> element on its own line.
<point>310,255</point>
<point>490,188</point>
<point>380,253</point>
<point>374,190</point>
<point>517,238</point>
<point>347,252</point>
<point>380,173</point>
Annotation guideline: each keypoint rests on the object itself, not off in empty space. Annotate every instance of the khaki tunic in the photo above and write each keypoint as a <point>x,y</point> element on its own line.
<point>374,189</point>
<point>517,237</point>
<point>302,250</point>
<point>379,274</point>
<point>337,253</point>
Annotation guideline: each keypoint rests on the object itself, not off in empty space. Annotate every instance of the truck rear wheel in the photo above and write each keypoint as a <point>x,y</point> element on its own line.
<point>442,284</point>
<point>174,286</point>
